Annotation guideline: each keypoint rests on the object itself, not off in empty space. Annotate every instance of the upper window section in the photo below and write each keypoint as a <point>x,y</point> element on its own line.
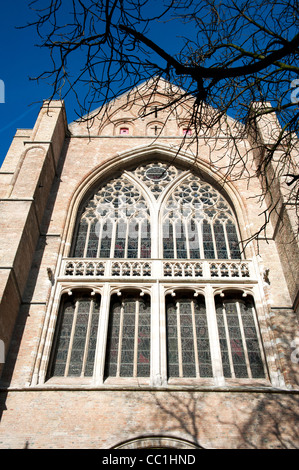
<point>157,210</point>
<point>114,223</point>
<point>198,223</point>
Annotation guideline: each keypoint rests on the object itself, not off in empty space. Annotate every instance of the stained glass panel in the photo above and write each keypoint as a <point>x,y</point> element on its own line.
<point>76,336</point>
<point>240,348</point>
<point>208,244</point>
<point>188,348</point>
<point>233,241</point>
<point>128,351</point>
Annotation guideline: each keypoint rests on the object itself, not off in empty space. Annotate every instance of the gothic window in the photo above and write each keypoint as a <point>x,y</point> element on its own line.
<point>188,348</point>
<point>163,239</point>
<point>128,351</point>
<point>239,338</point>
<point>76,336</point>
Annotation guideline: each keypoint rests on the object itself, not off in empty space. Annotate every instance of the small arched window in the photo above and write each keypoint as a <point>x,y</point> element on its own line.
<point>188,347</point>
<point>76,335</point>
<point>128,348</point>
<point>240,344</point>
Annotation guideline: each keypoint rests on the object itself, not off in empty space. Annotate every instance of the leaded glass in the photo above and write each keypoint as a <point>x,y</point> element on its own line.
<point>76,336</point>
<point>198,206</point>
<point>188,349</point>
<point>239,341</point>
<point>106,221</point>
<point>128,351</point>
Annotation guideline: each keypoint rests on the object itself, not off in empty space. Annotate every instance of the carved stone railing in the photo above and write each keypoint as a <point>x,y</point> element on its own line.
<point>157,269</point>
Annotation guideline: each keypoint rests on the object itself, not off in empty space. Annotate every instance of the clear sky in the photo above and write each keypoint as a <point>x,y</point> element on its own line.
<point>19,60</point>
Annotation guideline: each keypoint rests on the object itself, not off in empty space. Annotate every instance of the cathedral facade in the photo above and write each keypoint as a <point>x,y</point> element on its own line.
<point>133,312</point>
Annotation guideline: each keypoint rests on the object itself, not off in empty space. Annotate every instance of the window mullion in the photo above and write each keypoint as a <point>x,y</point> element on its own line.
<point>100,238</point>
<point>195,339</point>
<point>71,339</point>
<point>214,241</point>
<point>243,340</point>
<point>121,323</point>
<point>113,237</point>
<point>136,338</point>
<point>126,239</point>
<point>215,349</point>
<point>226,242</point>
<point>87,239</point>
<point>87,337</point>
<point>187,239</point>
<point>228,341</point>
<point>180,354</point>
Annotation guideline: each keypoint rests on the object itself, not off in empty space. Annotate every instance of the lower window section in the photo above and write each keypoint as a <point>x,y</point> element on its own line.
<point>188,338</point>
<point>188,348</point>
<point>76,336</point>
<point>128,349</point>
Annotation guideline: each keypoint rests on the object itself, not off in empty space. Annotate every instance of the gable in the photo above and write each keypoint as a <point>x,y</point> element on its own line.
<point>152,109</point>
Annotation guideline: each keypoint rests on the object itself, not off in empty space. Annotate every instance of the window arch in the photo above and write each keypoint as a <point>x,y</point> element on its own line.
<point>121,219</point>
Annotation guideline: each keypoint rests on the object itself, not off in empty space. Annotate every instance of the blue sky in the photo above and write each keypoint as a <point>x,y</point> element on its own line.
<point>19,60</point>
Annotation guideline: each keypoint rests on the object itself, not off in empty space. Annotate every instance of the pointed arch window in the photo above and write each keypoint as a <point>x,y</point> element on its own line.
<point>239,337</point>
<point>188,346</point>
<point>76,336</point>
<point>128,350</point>
<point>119,221</point>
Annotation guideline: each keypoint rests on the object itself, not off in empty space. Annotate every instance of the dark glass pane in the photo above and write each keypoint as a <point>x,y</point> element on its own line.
<point>106,240</point>
<point>80,303</point>
<point>63,341</point>
<point>168,240</point>
<point>172,340</point>
<point>121,232</point>
<point>188,336</point>
<point>93,241</point>
<point>220,241</point>
<point>233,242</point>
<point>223,341</point>
<point>181,245</point>
<point>144,331</point>
<point>113,338</point>
<point>80,240</point>
<point>145,249</point>
<point>252,343</point>
<point>208,244</point>
<point>236,345</point>
<point>92,339</point>
<point>133,240</point>
<point>203,343</point>
<point>126,336</point>
<point>193,240</point>
<point>78,346</point>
